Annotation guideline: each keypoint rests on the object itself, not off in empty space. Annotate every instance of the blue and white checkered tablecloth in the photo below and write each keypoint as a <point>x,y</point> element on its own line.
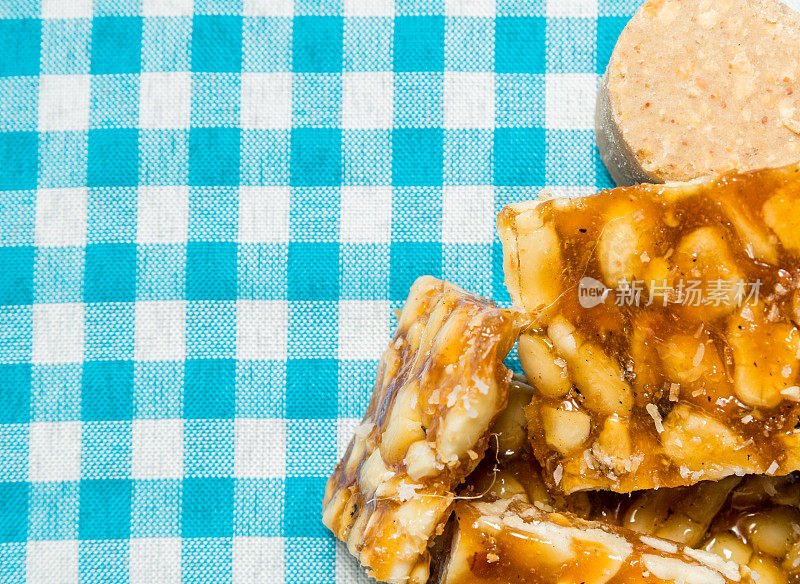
<point>208,211</point>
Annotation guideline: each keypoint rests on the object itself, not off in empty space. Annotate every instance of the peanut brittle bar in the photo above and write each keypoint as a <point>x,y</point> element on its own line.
<point>508,527</point>
<point>440,385</point>
<point>509,541</point>
<point>665,347</point>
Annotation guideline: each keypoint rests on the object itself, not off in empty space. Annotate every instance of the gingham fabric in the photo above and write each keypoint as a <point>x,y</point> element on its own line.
<point>209,211</point>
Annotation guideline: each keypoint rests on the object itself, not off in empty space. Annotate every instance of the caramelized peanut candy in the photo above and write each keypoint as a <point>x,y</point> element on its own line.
<point>510,541</point>
<point>665,349</point>
<point>752,522</point>
<point>441,384</point>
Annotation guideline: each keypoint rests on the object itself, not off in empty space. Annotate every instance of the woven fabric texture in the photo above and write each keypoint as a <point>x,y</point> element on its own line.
<point>208,212</point>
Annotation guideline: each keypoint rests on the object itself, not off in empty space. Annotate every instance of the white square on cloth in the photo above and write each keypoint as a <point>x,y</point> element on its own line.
<point>468,214</point>
<point>363,329</point>
<point>485,8</point>
<point>52,562</point>
<point>54,451</point>
<point>468,100</point>
<point>166,8</point>
<point>369,8</point>
<point>163,214</point>
<point>58,333</point>
<point>64,102</point>
<point>260,448</point>
<point>165,99</point>
<point>264,214</point>
<point>160,330</point>
<point>258,560</point>
<point>570,100</point>
<point>571,8</point>
<point>268,8</point>
<point>61,217</point>
<point>155,560</point>
<point>261,329</point>
<point>66,9</point>
<point>367,100</point>
<point>157,449</point>
<point>266,101</point>
<point>365,214</point>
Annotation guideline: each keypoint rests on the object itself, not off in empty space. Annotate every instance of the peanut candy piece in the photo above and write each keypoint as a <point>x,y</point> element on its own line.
<point>440,385</point>
<point>665,349</point>
<point>507,540</point>
<point>753,523</point>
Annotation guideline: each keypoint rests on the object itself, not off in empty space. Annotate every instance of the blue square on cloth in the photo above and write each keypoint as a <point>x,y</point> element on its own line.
<point>13,511</point>
<point>106,450</point>
<point>214,156</point>
<point>520,44</point>
<point>116,45</point>
<point>208,448</point>
<point>18,108</point>
<point>101,562</point>
<point>58,275</point>
<point>608,31</point>
<point>53,510</point>
<point>109,331</point>
<point>166,43</point>
<point>14,454</point>
<point>16,283</point>
<point>311,388</point>
<point>210,271</point>
<point>209,388</point>
<point>217,44</point>
<point>156,508</point>
<point>110,272</point>
<point>207,560</point>
<point>114,101</point>
<point>317,44</point>
<point>20,40</point>
<point>18,160</point>
<point>419,43</point>
<point>303,507</point>
<point>409,260</point>
<point>418,156</point>
<point>258,510</point>
<point>105,509</point>
<point>208,507</point>
<point>62,159</point>
<point>17,217</point>
<point>313,271</point>
<point>316,157</point>
<point>66,46</point>
<point>164,157</point>
<point>519,156</point>
<point>13,564</point>
<point>107,390</point>
<point>15,390</point>
<point>461,51</point>
<point>266,44</point>
<point>113,158</point>
<point>55,392</point>
<point>311,560</point>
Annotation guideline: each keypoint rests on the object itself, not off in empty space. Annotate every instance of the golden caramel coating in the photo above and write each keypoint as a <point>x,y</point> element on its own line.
<point>665,349</point>
<point>440,386</point>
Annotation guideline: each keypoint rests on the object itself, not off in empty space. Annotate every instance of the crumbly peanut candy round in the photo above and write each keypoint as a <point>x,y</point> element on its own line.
<point>752,525</point>
<point>440,385</point>
<point>700,87</point>
<point>665,349</point>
